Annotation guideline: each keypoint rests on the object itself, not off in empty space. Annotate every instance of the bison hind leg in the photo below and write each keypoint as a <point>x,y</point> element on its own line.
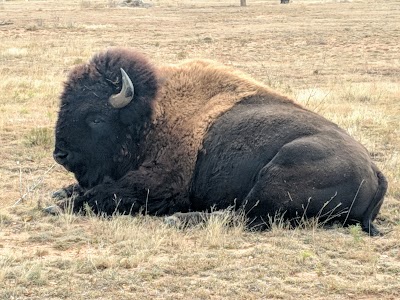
<point>188,219</point>
<point>370,229</point>
<point>374,207</point>
<point>226,217</point>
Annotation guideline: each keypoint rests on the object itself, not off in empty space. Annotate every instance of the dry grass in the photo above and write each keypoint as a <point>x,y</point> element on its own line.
<point>339,58</point>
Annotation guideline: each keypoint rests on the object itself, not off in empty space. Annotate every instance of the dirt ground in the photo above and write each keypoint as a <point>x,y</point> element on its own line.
<point>338,58</point>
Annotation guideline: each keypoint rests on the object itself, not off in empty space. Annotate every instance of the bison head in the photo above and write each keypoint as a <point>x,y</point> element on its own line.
<point>105,111</point>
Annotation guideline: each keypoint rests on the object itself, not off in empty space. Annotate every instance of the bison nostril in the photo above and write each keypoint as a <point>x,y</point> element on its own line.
<point>60,156</point>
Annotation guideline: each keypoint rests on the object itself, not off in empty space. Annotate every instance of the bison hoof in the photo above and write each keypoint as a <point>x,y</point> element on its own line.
<point>371,230</point>
<point>54,210</point>
<point>172,221</point>
<point>192,218</point>
<point>60,194</point>
<point>186,219</point>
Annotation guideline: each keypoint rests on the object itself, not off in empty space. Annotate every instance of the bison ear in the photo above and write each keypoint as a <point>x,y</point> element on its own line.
<point>124,97</point>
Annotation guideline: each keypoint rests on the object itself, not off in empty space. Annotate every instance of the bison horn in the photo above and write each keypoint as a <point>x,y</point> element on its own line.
<point>124,97</point>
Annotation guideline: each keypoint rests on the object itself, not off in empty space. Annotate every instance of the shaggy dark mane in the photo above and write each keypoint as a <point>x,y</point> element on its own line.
<point>97,80</point>
<point>87,92</point>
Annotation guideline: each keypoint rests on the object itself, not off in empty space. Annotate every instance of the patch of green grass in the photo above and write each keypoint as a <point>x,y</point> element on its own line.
<point>41,237</point>
<point>69,242</point>
<point>35,275</point>
<point>61,264</point>
<point>41,136</point>
<point>304,255</point>
<point>356,232</point>
<point>78,61</point>
<point>181,55</point>
<point>5,219</point>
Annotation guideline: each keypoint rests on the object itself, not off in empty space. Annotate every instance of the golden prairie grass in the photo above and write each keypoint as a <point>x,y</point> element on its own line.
<point>338,58</point>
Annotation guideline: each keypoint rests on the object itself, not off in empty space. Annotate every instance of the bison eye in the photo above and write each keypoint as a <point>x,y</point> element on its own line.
<point>95,120</point>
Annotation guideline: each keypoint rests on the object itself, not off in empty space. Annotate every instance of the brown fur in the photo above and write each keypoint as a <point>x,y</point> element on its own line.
<point>193,94</point>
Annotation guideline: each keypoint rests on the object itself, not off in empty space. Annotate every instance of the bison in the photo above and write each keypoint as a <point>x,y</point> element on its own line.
<point>198,136</point>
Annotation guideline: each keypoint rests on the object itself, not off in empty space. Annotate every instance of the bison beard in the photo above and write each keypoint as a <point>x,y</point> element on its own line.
<point>199,135</point>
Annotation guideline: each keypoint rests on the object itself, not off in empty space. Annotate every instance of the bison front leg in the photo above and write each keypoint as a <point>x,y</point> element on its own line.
<point>110,199</point>
<point>150,191</point>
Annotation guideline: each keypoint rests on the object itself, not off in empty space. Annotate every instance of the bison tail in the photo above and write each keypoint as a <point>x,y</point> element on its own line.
<point>374,206</point>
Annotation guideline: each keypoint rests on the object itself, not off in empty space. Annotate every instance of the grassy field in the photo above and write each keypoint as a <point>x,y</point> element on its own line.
<point>339,58</point>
